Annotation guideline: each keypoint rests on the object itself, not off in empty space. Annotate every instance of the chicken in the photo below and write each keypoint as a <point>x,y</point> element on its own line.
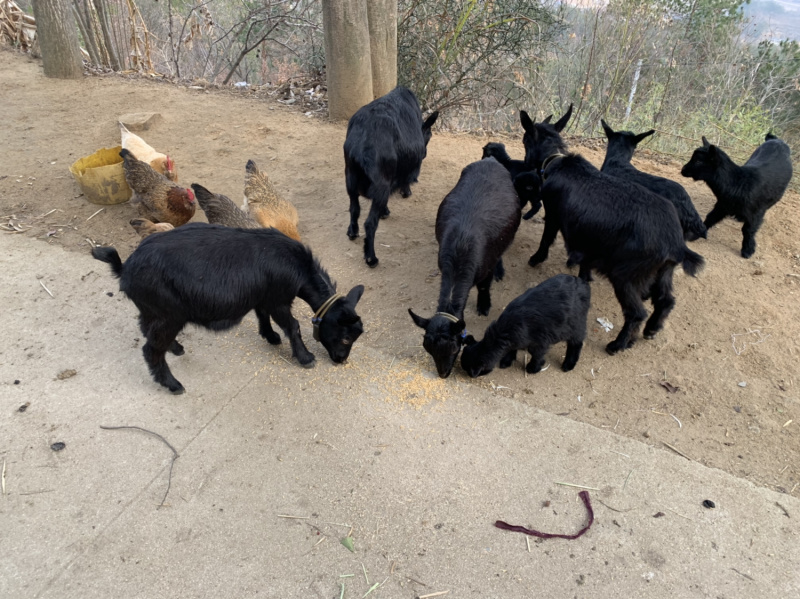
<point>144,152</point>
<point>220,210</point>
<point>263,203</point>
<point>145,228</point>
<point>157,198</point>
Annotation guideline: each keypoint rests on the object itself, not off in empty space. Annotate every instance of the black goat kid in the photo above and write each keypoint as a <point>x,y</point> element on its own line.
<point>212,276</point>
<point>627,233</point>
<point>553,311</point>
<point>385,145</point>
<point>743,192</point>
<point>475,224</point>
<point>526,181</point>
<point>621,146</point>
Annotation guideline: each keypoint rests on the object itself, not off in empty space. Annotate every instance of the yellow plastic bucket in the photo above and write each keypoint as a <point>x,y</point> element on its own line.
<point>101,177</point>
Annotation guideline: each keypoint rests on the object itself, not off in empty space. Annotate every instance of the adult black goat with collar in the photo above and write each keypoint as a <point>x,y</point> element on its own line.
<point>744,192</point>
<point>475,224</point>
<point>212,276</point>
<point>623,231</point>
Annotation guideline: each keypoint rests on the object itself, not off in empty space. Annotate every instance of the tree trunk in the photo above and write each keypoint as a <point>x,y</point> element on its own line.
<point>347,56</point>
<point>100,7</point>
<point>383,45</point>
<point>58,39</point>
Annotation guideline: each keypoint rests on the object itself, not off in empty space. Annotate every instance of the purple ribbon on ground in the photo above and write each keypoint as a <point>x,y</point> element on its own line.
<point>584,495</point>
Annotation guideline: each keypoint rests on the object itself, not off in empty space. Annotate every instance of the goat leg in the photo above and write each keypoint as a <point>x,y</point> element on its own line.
<point>663,302</point>
<point>633,310</point>
<point>265,327</point>
<point>379,203</point>
<point>573,354</point>
<point>291,328</point>
<point>536,362</point>
<point>508,359</point>
<point>715,216</point>
<point>749,230</point>
<point>484,297</point>
<point>551,226</point>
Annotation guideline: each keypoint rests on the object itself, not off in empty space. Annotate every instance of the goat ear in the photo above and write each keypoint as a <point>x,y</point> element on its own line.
<point>457,327</point>
<point>641,136</point>
<point>470,340</point>
<point>705,142</point>
<point>430,120</point>
<point>354,295</point>
<point>562,122</point>
<point>547,119</point>
<point>609,131</point>
<point>527,123</point>
<point>712,152</point>
<point>418,320</point>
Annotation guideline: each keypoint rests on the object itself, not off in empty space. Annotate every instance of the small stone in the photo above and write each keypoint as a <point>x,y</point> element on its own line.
<point>707,503</point>
<point>16,381</point>
<point>140,121</point>
<point>110,293</point>
<point>58,446</point>
<point>23,407</point>
<point>743,384</point>
<point>66,374</point>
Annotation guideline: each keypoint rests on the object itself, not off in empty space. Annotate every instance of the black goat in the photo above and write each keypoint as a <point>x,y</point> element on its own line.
<point>498,151</point>
<point>529,186</point>
<point>627,233</point>
<point>385,145</point>
<point>212,276</point>
<point>621,146</point>
<point>526,182</point>
<point>475,224</point>
<point>553,311</point>
<point>743,192</point>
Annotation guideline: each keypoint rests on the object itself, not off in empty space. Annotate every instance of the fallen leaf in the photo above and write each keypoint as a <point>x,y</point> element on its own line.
<point>348,542</point>
<point>670,388</point>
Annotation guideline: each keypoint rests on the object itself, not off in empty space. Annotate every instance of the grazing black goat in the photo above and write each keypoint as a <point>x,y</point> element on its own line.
<point>551,312</point>
<point>621,146</point>
<point>475,224</point>
<point>212,276</point>
<point>627,233</point>
<point>526,181</point>
<point>385,145</point>
<point>744,192</point>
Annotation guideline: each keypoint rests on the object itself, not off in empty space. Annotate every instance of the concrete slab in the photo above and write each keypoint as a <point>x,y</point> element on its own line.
<point>419,469</point>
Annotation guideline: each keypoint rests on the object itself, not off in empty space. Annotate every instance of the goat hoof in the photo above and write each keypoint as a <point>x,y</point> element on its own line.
<point>535,260</point>
<point>371,262</point>
<point>310,364</point>
<point>385,214</point>
<point>615,347</point>
<point>647,334</point>
<point>747,252</point>
<point>483,311</point>
<point>177,390</point>
<point>273,338</point>
<point>177,349</point>
<point>352,232</point>
<point>405,193</point>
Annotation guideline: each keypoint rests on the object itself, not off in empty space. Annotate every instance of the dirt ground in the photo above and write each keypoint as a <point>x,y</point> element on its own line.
<point>729,351</point>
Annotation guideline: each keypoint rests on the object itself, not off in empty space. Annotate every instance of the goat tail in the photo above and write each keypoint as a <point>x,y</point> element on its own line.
<point>111,256</point>
<point>692,262</point>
